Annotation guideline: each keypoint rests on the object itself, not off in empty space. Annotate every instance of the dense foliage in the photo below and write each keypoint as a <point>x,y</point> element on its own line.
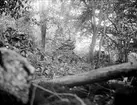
<point>13,7</point>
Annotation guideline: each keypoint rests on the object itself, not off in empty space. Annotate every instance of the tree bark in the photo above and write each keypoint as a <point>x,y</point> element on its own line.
<point>97,75</point>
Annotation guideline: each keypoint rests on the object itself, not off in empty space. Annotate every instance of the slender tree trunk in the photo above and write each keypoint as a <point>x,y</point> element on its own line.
<point>92,46</point>
<point>43,35</point>
<point>95,30</point>
<point>100,45</point>
<point>43,22</point>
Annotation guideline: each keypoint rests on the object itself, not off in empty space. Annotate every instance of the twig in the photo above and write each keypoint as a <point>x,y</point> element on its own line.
<point>33,95</point>
<point>73,95</point>
<point>56,94</point>
<point>40,87</point>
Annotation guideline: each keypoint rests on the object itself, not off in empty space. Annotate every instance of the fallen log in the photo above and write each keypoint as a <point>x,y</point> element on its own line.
<point>97,75</point>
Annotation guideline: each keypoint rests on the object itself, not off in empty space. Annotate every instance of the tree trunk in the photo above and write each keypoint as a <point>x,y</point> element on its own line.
<point>43,34</point>
<point>43,21</point>
<point>100,44</point>
<point>95,30</point>
<point>92,46</point>
<point>98,75</point>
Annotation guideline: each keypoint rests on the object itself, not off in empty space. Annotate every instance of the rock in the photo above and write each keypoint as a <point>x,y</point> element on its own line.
<point>15,74</point>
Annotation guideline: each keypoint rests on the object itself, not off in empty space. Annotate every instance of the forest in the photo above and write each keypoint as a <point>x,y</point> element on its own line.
<point>68,52</point>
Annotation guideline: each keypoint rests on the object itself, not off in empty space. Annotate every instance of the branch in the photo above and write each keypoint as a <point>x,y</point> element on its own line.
<point>113,24</point>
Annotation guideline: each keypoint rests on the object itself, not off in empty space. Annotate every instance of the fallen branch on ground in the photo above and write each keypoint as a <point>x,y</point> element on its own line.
<point>97,75</point>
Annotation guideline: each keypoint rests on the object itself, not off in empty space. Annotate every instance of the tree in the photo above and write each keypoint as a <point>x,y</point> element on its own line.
<point>54,13</point>
<point>92,21</point>
<point>124,26</point>
<point>121,16</point>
